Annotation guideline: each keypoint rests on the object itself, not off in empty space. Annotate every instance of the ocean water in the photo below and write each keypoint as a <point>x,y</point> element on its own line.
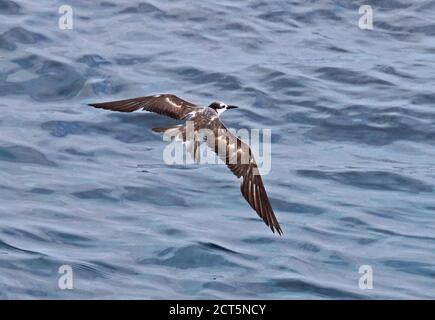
<point>352,182</point>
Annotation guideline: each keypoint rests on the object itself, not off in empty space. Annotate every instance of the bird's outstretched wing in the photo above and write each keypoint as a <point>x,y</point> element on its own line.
<point>164,104</point>
<point>238,157</point>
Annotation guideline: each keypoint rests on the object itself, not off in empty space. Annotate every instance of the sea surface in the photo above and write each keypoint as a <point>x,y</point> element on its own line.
<point>352,181</point>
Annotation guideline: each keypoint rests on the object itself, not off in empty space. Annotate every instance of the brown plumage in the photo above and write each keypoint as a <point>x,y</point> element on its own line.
<point>238,157</point>
<point>164,104</point>
<point>235,153</point>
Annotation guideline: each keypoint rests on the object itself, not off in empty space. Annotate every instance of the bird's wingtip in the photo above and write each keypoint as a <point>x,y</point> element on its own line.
<point>277,229</point>
<point>97,105</point>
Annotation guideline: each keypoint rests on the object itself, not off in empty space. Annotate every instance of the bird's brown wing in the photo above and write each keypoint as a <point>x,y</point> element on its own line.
<point>164,104</point>
<point>238,157</point>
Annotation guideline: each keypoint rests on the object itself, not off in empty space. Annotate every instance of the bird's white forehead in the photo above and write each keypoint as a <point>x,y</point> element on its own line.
<point>221,104</point>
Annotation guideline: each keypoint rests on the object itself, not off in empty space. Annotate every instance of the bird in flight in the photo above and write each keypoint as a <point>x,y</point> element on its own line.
<point>235,153</point>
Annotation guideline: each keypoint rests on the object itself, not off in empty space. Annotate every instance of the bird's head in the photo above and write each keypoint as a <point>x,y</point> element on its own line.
<point>220,107</point>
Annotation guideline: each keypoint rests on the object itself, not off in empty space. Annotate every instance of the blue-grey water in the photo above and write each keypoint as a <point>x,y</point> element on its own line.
<point>352,114</point>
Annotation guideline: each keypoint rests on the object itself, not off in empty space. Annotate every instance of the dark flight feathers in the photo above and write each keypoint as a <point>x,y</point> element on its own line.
<point>252,187</point>
<point>238,157</point>
<point>165,104</point>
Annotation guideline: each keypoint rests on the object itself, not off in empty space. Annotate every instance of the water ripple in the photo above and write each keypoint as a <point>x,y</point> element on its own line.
<point>353,130</point>
<point>372,180</point>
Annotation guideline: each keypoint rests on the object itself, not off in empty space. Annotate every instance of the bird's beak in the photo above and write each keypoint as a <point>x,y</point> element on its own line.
<point>232,107</point>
